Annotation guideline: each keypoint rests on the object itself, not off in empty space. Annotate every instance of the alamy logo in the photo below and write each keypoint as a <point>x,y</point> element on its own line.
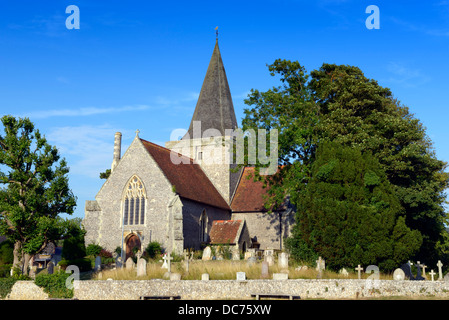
<point>72,21</point>
<point>373,20</point>
<point>231,150</point>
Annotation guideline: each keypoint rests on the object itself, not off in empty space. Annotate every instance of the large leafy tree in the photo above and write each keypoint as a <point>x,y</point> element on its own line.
<point>338,103</point>
<point>356,111</point>
<point>35,189</point>
<point>349,213</point>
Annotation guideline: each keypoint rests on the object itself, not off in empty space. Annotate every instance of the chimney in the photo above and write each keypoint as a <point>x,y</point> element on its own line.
<point>117,150</point>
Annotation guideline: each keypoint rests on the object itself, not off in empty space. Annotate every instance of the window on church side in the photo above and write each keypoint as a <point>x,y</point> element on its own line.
<point>203,227</point>
<point>134,202</point>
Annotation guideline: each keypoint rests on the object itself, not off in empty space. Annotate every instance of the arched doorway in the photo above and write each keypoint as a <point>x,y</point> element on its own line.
<point>132,242</point>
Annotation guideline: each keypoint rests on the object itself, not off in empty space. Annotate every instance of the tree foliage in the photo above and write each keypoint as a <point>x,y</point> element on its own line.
<point>338,103</point>
<point>35,188</point>
<point>349,213</point>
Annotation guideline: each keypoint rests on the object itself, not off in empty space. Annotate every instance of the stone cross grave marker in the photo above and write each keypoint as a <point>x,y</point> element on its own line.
<point>359,270</point>
<point>169,259</point>
<point>423,266</point>
<point>164,265</point>
<point>440,271</point>
<point>432,274</point>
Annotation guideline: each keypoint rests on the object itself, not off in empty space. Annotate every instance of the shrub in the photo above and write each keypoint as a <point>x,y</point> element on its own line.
<point>73,248</point>
<point>5,270</point>
<point>54,284</point>
<point>6,252</point>
<point>5,286</point>
<point>93,249</point>
<point>153,249</point>
<point>84,264</point>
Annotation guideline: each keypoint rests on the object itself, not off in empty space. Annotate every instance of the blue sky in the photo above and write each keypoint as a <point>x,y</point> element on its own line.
<point>140,64</point>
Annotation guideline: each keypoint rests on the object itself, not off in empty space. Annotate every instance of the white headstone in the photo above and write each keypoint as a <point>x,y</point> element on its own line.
<point>344,272</point>
<point>283,260</point>
<point>130,264</point>
<point>241,276</point>
<point>280,276</point>
<point>320,264</point>
<point>205,277</point>
<point>398,274</point>
<point>175,276</point>
<point>270,260</point>
<point>432,274</point>
<point>440,271</point>
<point>207,254</point>
<point>141,267</point>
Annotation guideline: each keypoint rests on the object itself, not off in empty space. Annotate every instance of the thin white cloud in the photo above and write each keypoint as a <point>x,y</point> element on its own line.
<point>405,75</point>
<point>81,112</point>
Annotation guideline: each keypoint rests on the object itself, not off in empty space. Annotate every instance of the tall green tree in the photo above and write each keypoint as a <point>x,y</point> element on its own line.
<point>35,189</point>
<point>349,213</point>
<point>338,103</point>
<point>356,111</point>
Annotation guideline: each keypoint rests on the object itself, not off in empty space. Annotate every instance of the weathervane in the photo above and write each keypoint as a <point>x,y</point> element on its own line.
<point>216,32</point>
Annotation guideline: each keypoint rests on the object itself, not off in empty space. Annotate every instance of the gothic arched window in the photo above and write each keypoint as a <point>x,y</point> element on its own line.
<point>134,202</point>
<point>203,227</point>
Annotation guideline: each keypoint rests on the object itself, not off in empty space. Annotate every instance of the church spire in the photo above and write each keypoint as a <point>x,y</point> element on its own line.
<point>214,108</point>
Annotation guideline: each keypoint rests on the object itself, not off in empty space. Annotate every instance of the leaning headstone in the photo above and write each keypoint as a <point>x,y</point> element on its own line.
<point>50,267</point>
<point>130,264</point>
<point>205,277</point>
<point>406,267</point>
<point>283,260</point>
<point>141,267</point>
<point>97,263</point>
<point>398,274</point>
<point>207,254</point>
<point>280,276</point>
<point>241,276</point>
<point>264,273</point>
<point>344,272</point>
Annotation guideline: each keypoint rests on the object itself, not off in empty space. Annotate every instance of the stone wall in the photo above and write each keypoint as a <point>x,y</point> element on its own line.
<point>233,289</point>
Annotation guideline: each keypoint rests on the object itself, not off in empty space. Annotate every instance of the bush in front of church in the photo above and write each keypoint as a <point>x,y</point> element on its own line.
<point>154,250</point>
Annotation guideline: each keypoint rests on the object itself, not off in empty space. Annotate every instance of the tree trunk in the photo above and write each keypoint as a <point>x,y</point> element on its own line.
<point>21,259</point>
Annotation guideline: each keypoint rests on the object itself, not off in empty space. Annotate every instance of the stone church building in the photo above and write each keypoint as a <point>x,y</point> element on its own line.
<point>181,194</point>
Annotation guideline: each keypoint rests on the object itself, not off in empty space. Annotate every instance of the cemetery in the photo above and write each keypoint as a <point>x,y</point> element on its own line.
<point>260,274</point>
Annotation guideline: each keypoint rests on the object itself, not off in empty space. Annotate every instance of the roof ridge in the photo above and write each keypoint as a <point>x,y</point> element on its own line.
<point>166,149</point>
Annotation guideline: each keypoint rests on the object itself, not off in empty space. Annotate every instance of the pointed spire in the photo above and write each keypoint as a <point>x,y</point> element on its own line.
<point>214,108</point>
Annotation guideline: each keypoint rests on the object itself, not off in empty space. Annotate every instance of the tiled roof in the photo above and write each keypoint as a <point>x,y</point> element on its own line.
<point>188,179</point>
<point>249,195</point>
<point>224,231</point>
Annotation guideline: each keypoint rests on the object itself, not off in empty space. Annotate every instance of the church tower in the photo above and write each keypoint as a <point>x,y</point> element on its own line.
<point>208,140</point>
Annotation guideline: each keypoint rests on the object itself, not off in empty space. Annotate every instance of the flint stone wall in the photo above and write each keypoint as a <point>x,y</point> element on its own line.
<point>233,289</point>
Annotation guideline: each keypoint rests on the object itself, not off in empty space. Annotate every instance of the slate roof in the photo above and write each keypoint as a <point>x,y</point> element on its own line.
<point>224,231</point>
<point>188,178</point>
<point>214,107</point>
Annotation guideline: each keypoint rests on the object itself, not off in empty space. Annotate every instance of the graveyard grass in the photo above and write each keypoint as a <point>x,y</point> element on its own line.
<point>223,270</point>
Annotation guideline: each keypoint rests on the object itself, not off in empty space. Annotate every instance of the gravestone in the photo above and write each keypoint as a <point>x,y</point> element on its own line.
<point>207,254</point>
<point>270,260</point>
<point>446,277</point>
<point>423,267</point>
<point>118,262</point>
<point>205,277</point>
<point>97,263</point>
<point>130,264</point>
<point>141,267</point>
<point>398,274</point>
<point>344,272</point>
<point>50,267</point>
<point>320,264</point>
<point>359,269</point>
<point>432,274</point>
<point>283,260</point>
<point>264,273</point>
<point>241,276</point>
<point>440,270</point>
<point>280,276</point>
<point>406,267</point>
<point>175,276</point>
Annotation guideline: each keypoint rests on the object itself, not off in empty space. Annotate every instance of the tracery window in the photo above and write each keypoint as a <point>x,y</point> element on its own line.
<point>134,202</point>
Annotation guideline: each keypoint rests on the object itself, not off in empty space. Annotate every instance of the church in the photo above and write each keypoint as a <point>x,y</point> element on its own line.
<point>185,195</point>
